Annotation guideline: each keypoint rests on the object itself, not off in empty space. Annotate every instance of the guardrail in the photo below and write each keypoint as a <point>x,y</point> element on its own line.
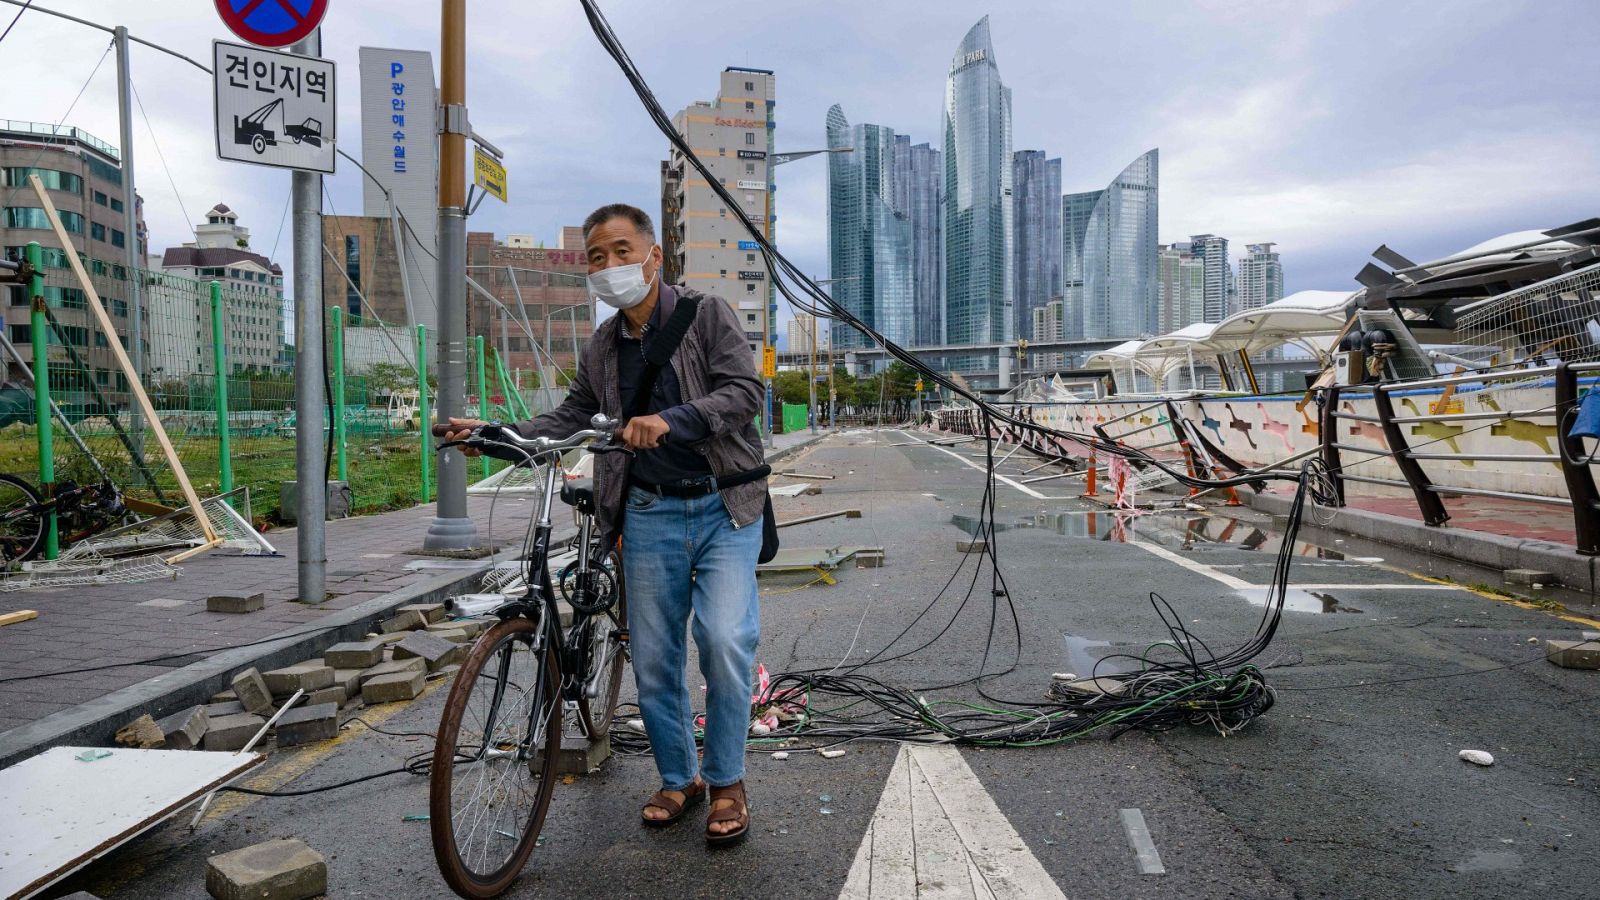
<point>1582,498</point>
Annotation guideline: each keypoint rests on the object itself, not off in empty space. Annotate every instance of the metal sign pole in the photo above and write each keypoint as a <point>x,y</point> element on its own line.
<point>451,528</point>
<point>130,224</point>
<point>310,479</point>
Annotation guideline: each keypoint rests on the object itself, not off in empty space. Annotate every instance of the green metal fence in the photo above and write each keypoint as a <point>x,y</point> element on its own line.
<point>232,431</point>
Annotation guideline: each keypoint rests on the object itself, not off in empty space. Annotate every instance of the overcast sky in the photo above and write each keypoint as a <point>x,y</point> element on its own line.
<point>1328,127</point>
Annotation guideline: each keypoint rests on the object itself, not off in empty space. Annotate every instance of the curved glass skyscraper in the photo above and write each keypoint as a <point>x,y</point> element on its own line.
<point>977,201</point>
<point>1120,280</point>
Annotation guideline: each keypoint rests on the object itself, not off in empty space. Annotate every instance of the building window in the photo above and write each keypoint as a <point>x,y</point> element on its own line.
<point>722,151</point>
<point>21,334</point>
<point>100,198</point>
<point>17,177</point>
<point>97,231</point>
<point>750,138</point>
<point>723,212</point>
<point>118,272</point>
<point>722,242</point>
<point>34,217</point>
<point>97,267</point>
<point>750,287</point>
<point>118,239</point>
<point>749,106</point>
<point>352,269</point>
<point>116,205</point>
<point>119,308</point>
<point>749,257</point>
<point>749,168</point>
<point>724,272</point>
<point>749,318</point>
<point>749,85</point>
<point>49,257</point>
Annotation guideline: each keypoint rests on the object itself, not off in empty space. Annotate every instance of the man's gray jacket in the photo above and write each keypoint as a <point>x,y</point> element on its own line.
<point>716,375</point>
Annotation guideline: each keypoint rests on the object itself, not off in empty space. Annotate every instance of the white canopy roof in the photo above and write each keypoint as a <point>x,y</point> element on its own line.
<point>1299,318</point>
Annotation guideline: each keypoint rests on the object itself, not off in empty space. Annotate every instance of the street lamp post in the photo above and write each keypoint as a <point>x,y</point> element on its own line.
<point>831,395</point>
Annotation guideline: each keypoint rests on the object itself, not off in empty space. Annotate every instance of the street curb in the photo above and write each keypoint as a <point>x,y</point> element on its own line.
<point>778,456</point>
<point>95,721</point>
<point>1493,551</point>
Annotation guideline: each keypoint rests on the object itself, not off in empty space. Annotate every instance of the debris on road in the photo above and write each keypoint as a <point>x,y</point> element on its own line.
<point>1477,757</point>
<point>142,733</point>
<point>275,870</point>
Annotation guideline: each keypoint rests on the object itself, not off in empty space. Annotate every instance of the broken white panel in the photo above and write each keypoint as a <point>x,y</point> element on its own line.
<point>61,813</point>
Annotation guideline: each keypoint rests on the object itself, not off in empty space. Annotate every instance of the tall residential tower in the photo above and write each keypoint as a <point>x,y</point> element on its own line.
<point>705,244</point>
<point>1260,277</point>
<point>977,195</point>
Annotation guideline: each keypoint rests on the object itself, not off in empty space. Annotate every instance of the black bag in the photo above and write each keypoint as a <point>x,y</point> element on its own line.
<point>659,353</point>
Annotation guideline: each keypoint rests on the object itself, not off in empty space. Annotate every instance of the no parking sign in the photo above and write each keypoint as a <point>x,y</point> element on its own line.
<point>272,23</point>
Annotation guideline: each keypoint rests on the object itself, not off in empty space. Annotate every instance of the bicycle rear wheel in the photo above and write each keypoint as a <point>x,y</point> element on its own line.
<point>21,522</point>
<point>494,762</point>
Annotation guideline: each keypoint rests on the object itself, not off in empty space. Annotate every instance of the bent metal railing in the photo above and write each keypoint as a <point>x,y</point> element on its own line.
<point>1571,457</point>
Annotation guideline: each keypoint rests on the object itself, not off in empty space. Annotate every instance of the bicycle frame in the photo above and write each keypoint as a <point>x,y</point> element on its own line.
<point>540,604</point>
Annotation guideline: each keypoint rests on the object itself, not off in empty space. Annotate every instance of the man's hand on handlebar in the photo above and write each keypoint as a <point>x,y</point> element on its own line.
<point>460,430</point>
<point>644,432</point>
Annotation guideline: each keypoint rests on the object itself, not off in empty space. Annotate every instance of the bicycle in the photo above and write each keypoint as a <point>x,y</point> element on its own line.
<point>81,511</point>
<point>494,760</point>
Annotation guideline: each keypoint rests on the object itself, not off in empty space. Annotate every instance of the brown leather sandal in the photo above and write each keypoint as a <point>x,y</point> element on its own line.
<point>675,809</point>
<point>738,811</point>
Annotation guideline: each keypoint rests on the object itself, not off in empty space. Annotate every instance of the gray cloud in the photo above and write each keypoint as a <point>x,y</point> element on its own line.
<point>1329,127</point>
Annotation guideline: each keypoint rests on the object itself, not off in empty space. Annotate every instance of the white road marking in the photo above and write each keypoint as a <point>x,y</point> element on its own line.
<point>1139,838</point>
<point>938,833</point>
<point>1198,568</point>
<point>1009,482</point>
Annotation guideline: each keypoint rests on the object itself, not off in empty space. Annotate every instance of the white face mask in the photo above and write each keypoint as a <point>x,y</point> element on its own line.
<point>620,287</point>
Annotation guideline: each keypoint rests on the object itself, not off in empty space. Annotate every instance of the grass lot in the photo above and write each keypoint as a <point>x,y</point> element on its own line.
<point>384,467</point>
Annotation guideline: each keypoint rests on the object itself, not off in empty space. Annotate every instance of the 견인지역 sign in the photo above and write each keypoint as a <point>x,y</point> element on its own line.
<point>272,23</point>
<point>769,362</point>
<point>273,109</point>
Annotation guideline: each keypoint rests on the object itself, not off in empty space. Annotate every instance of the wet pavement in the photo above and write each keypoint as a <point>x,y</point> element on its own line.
<point>1350,786</point>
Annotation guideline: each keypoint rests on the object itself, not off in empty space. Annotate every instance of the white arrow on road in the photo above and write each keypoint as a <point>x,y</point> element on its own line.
<point>937,833</point>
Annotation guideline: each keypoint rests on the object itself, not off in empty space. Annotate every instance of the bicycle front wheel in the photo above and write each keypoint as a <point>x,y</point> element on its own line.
<point>21,521</point>
<point>494,762</point>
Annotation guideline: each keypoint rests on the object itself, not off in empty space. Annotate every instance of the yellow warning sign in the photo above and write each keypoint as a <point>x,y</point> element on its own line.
<point>769,362</point>
<point>489,174</point>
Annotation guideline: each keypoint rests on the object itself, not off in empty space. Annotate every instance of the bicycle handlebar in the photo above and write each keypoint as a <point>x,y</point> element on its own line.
<point>496,438</point>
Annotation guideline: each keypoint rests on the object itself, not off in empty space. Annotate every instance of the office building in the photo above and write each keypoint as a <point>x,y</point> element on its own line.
<point>535,289</point>
<point>919,174</point>
<point>978,235</point>
<point>1036,200</point>
<point>707,247</point>
<point>253,305</point>
<point>1075,210</point>
<point>83,177</point>
<point>869,240</point>
<point>1218,274</point>
<point>1260,279</point>
<point>1182,287</point>
<point>1119,255</point>
<point>1048,324</point>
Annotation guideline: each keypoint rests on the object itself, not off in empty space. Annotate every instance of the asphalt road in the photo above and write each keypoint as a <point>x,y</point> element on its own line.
<point>1346,788</point>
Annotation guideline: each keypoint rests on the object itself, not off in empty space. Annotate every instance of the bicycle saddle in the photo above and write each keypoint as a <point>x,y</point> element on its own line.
<point>579,495</point>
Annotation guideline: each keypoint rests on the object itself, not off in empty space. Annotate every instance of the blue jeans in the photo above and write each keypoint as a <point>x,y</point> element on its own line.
<point>681,555</point>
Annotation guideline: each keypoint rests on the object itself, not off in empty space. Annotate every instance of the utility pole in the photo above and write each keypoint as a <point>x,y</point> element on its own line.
<point>451,528</point>
<point>812,375</point>
<point>311,486</point>
<point>130,223</point>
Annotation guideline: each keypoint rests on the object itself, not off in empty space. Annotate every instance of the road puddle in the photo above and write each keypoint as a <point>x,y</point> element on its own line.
<point>1297,600</point>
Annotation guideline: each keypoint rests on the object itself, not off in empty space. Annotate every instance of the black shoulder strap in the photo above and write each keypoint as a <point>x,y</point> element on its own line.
<point>660,349</point>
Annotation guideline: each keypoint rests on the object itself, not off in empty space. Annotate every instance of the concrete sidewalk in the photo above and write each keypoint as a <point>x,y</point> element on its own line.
<point>372,568</point>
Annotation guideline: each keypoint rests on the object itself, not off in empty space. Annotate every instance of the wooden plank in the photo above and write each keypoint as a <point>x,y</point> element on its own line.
<point>62,813</point>
<point>123,362</point>
<point>21,615</point>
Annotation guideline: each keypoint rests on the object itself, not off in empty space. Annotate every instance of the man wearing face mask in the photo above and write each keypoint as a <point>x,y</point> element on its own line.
<point>689,507</point>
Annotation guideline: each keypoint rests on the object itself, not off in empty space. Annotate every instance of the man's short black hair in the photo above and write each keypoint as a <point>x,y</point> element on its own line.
<point>639,218</point>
